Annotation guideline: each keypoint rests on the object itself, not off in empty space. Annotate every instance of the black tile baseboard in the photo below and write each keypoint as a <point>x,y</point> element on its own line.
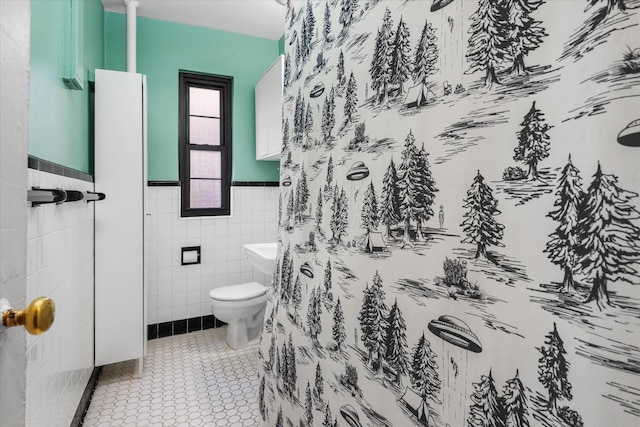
<point>56,169</point>
<point>233,184</point>
<point>254,184</point>
<point>163,183</point>
<point>182,326</point>
<point>85,400</point>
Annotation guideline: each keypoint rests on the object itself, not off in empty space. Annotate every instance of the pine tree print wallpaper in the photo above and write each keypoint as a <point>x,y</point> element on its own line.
<point>459,216</point>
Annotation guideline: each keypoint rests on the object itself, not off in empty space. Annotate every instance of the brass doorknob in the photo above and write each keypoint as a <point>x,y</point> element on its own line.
<point>37,318</point>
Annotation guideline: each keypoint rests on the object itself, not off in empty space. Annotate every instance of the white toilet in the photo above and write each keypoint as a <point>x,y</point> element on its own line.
<point>242,307</point>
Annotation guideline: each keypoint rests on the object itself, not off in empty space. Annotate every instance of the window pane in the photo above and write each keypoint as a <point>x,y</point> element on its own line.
<point>205,164</point>
<point>204,131</point>
<point>205,193</point>
<point>204,102</point>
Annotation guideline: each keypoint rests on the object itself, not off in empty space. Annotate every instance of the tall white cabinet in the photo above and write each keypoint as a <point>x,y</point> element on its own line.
<point>121,173</point>
<point>269,112</point>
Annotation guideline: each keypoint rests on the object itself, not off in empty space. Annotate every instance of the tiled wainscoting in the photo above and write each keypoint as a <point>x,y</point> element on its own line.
<point>178,292</point>
<point>60,266</point>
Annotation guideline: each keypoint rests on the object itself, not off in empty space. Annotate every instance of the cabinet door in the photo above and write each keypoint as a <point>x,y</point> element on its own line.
<point>119,218</point>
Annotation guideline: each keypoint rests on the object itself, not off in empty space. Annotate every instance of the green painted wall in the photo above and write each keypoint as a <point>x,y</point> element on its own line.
<point>281,45</point>
<point>164,48</point>
<point>60,119</point>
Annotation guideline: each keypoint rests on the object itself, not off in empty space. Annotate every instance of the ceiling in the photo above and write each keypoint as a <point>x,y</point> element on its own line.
<point>259,18</point>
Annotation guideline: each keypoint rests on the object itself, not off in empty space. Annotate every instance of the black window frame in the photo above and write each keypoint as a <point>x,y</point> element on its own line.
<point>224,84</point>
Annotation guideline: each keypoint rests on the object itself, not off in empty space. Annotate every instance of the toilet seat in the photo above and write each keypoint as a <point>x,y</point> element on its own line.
<point>239,292</point>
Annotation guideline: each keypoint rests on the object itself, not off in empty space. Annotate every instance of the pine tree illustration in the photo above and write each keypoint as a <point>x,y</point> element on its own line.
<point>263,406</point>
<point>328,419</point>
<point>303,195</point>
<point>296,297</point>
<point>480,225</point>
<point>279,209</point>
<point>339,216</point>
<point>533,141</point>
<point>327,280</point>
<point>304,41</point>
<point>488,43</point>
<point>369,215</point>
<point>377,323</point>
<point>328,117</point>
<point>561,248</point>
<point>425,191</point>
<point>389,214</point>
<point>338,333</point>
<point>487,409</point>
<point>340,72</point>
<point>272,352</point>
<point>396,342</point>
<point>285,137</point>
<point>409,187</point>
<point>609,246</point>
<point>423,372</point>
<point>319,203</point>
<point>326,29</point>
<point>290,210</point>
<point>283,270</point>
<point>278,364</point>
<point>351,100</point>
<point>400,52</point>
<point>525,33</point>
<point>515,403</point>
<point>308,405</point>
<point>425,58</point>
<point>327,187</point>
<point>298,57</point>
<point>284,368</point>
<point>346,12</point>
<point>279,422</point>
<point>553,369</point>
<point>366,322</point>
<point>314,312</point>
<point>287,71</point>
<point>298,119</point>
<point>318,383</point>
<point>292,375</point>
<point>308,124</point>
<point>380,70</point>
<point>310,19</point>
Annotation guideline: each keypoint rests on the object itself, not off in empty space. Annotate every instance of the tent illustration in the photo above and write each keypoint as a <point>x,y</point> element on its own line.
<point>417,405</point>
<point>417,96</point>
<point>375,243</point>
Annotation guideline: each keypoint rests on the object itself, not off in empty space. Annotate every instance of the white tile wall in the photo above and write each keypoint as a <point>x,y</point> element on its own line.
<point>178,292</point>
<point>14,125</point>
<point>60,265</point>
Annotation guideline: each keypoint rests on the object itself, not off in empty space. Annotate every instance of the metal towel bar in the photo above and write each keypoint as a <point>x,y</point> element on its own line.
<point>42,196</point>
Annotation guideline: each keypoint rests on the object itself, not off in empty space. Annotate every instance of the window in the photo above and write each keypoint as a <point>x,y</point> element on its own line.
<point>205,144</point>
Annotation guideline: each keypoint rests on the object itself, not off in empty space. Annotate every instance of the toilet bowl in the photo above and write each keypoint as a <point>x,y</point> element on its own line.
<point>242,307</point>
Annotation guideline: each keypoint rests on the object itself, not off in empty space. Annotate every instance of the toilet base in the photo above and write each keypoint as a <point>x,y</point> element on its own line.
<point>245,332</point>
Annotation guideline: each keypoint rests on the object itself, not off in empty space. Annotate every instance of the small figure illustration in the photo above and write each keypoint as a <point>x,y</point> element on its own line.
<point>447,88</point>
<point>454,366</point>
<point>441,216</point>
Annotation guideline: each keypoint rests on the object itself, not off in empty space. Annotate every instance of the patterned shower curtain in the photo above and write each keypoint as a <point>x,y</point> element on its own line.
<point>459,216</point>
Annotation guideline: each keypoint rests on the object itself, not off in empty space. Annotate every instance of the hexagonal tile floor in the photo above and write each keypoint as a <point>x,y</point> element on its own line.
<point>193,379</point>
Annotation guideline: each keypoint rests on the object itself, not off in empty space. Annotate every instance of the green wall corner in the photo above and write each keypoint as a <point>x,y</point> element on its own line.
<point>165,48</point>
<point>61,119</point>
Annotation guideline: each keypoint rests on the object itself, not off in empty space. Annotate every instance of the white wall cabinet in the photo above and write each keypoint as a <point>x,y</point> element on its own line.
<point>120,172</point>
<point>269,112</point>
